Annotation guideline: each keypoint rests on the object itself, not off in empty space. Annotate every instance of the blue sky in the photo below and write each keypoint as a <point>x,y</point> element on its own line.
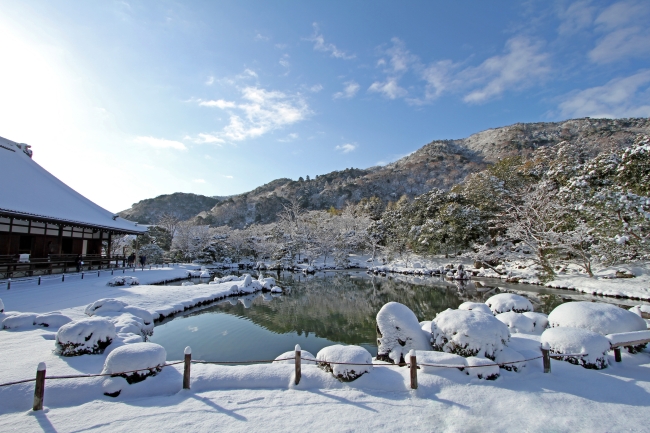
<point>126,100</point>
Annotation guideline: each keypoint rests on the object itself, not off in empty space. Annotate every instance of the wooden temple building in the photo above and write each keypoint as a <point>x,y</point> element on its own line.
<point>46,226</point>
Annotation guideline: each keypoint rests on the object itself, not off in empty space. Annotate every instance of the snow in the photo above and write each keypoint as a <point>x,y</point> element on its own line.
<point>48,196</point>
<point>290,358</point>
<point>85,336</point>
<point>482,368</point>
<point>578,341</point>
<point>504,302</point>
<point>400,332</point>
<point>439,358</point>
<point>18,320</point>
<point>468,333</point>
<point>516,322</point>
<point>540,320</point>
<point>510,359</point>
<point>105,305</point>
<point>475,306</point>
<point>52,320</point>
<point>597,317</point>
<point>138,356</point>
<point>358,361</point>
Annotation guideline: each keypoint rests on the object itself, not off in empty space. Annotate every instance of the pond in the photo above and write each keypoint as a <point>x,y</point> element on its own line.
<point>321,310</point>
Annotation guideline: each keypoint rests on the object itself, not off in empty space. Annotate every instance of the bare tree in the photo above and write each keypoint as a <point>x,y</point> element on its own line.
<point>169,222</point>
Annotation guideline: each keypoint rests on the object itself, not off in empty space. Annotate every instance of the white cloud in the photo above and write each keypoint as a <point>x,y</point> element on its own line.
<point>208,139</point>
<point>522,64</point>
<point>439,79</point>
<point>209,81</point>
<point>620,97</point>
<point>260,111</point>
<point>160,143</point>
<point>316,88</point>
<point>346,148</point>
<point>400,58</point>
<point>291,137</point>
<point>261,37</point>
<point>199,181</point>
<point>320,45</point>
<point>219,103</point>
<point>625,30</point>
<point>351,89</point>
<point>389,88</point>
<point>227,176</point>
<point>576,17</point>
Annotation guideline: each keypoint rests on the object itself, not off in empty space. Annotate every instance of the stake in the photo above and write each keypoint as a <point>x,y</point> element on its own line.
<point>98,273</point>
<point>298,366</point>
<point>186,371</point>
<point>9,284</point>
<point>414,370</point>
<point>82,275</point>
<point>63,278</point>
<point>39,281</point>
<point>39,388</point>
<point>617,354</point>
<point>546,357</point>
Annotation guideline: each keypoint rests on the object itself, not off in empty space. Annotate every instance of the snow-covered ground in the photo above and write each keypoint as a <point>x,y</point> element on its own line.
<point>264,397</point>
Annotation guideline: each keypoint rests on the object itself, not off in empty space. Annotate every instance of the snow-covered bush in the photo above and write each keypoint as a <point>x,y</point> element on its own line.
<point>85,336</point>
<point>439,358</point>
<point>475,306</point>
<point>267,283</point>
<point>510,360</point>
<point>152,252</point>
<point>399,332</point>
<point>104,305</point>
<point>482,368</point>
<point>127,323</point>
<point>18,320</point>
<point>516,322</point>
<point>504,302</point>
<point>468,333</point>
<point>357,361</point>
<point>53,319</point>
<point>578,341</point>
<point>187,283</point>
<point>540,320</point>
<point>290,358</point>
<point>123,281</point>
<point>146,358</point>
<point>598,317</point>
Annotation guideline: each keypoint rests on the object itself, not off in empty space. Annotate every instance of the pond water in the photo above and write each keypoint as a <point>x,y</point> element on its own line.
<point>320,310</point>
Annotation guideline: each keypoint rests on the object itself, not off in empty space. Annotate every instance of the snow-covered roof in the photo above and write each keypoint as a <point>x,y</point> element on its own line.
<point>30,191</point>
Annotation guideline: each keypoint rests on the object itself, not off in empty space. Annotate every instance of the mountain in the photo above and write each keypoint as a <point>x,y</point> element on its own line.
<point>439,164</point>
<point>184,206</point>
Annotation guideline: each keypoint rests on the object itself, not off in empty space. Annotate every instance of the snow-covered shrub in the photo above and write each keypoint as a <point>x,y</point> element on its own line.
<point>357,361</point>
<point>290,358</point>
<point>146,316</point>
<point>123,281</point>
<point>152,252</point>
<point>276,289</point>
<point>399,332</point>
<point>18,320</point>
<point>267,283</point>
<point>510,360</point>
<point>187,283</point>
<point>516,322</point>
<point>146,358</point>
<point>443,359</point>
<point>578,341</point>
<point>482,368</point>
<point>53,319</point>
<point>475,306</point>
<point>504,302</point>
<point>468,333</point>
<point>104,305</point>
<point>127,323</point>
<point>85,336</point>
<point>598,317</point>
<point>540,320</point>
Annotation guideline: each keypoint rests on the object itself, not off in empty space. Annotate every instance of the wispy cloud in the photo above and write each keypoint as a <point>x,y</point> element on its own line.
<point>227,176</point>
<point>576,17</point>
<point>316,88</point>
<point>209,81</point>
<point>208,139</point>
<point>625,30</point>
<point>351,88</point>
<point>389,88</point>
<point>160,143</point>
<point>620,97</point>
<point>219,103</point>
<point>346,148</point>
<point>320,45</point>
<point>291,137</point>
<point>199,181</point>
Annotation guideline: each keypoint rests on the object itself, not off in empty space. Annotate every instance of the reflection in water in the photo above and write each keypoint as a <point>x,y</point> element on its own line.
<point>318,311</point>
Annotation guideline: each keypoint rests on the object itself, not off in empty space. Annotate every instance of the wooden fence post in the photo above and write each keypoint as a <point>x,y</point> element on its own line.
<point>297,362</point>
<point>617,354</point>
<point>414,370</point>
<point>39,388</point>
<point>546,348</point>
<point>39,281</point>
<point>186,371</point>
<point>8,283</point>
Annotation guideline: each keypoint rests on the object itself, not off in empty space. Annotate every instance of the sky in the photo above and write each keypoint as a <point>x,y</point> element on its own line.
<point>127,100</point>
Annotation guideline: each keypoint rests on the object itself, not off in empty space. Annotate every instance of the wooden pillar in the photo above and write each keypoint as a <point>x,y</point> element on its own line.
<point>108,249</point>
<point>298,355</point>
<point>414,369</point>
<point>39,388</point>
<point>617,354</point>
<point>187,365</point>
<point>60,238</point>
<point>546,357</point>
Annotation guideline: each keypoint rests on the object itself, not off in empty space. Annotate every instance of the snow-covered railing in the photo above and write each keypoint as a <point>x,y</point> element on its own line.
<point>625,339</point>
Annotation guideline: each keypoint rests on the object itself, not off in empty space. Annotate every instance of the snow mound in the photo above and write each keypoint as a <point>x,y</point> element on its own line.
<point>19,320</point>
<point>400,332</point>
<point>443,359</point>
<point>53,319</point>
<point>640,310</point>
<point>146,359</point>
<point>276,289</point>
<point>289,358</point>
<point>104,305</point>
<point>578,341</point>
<point>516,322</point>
<point>510,360</point>
<point>540,320</point>
<point>123,281</point>
<point>357,361</point>
<point>267,283</point>
<point>468,333</point>
<point>146,316</point>
<point>482,368</point>
<point>205,274</point>
<point>597,317</point>
<point>85,336</point>
<point>475,306</point>
<point>226,279</point>
<point>128,323</point>
<point>504,302</point>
